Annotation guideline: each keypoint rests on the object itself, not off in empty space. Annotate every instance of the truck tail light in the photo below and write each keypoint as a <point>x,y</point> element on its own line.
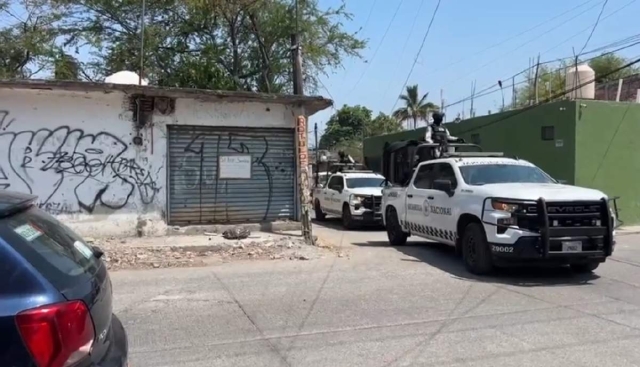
<point>57,335</point>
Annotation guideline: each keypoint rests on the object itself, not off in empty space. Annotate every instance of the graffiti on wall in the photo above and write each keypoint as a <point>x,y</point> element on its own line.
<point>197,167</point>
<point>72,171</point>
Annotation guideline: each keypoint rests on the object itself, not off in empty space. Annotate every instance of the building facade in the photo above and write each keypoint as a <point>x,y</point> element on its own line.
<point>123,160</point>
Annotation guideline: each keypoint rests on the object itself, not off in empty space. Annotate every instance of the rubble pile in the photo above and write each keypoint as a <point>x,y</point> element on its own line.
<point>127,254</point>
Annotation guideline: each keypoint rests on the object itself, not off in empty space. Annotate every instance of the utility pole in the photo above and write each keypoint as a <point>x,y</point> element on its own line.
<point>302,137</point>
<point>473,94</point>
<point>144,10</point>
<point>535,82</point>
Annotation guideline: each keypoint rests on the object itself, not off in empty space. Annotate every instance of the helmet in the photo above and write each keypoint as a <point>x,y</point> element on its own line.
<point>438,117</point>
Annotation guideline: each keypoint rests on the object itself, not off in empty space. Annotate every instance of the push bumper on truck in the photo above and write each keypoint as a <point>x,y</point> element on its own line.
<point>368,211</point>
<point>550,231</point>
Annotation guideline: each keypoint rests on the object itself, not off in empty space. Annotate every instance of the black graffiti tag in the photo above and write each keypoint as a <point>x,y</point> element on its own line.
<point>95,165</point>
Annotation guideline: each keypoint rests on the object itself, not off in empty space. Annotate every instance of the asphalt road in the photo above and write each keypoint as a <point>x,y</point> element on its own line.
<point>382,306</point>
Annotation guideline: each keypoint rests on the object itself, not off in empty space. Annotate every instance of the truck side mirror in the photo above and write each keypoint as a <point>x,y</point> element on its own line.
<point>444,186</point>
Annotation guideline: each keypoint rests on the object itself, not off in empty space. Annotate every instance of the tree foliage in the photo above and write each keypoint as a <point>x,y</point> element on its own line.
<point>27,43</point>
<point>415,108</point>
<point>215,44</point>
<point>350,125</point>
<point>606,64</point>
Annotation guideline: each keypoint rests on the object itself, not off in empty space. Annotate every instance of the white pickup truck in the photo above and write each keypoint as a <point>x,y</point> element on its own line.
<point>355,196</point>
<point>500,211</point>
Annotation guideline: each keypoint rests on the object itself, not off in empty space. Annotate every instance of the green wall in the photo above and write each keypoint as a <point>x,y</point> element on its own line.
<point>608,152</point>
<point>516,133</point>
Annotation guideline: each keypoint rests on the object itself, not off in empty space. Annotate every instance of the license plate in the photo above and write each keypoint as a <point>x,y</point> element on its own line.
<point>571,246</point>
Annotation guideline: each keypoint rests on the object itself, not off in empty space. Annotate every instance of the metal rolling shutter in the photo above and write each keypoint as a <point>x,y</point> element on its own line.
<point>198,196</point>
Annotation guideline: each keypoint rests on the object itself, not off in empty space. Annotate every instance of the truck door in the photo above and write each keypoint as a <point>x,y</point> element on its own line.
<point>332,198</point>
<point>417,213</point>
<point>442,208</point>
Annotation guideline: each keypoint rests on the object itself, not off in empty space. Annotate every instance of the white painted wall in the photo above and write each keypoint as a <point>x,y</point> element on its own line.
<point>75,151</point>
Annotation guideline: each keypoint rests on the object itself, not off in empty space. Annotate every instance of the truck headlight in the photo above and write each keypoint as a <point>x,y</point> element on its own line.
<point>355,199</point>
<point>504,207</point>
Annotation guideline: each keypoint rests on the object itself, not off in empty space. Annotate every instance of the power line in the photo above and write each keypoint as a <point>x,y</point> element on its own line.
<point>512,37</point>
<point>378,47</point>
<point>366,22</point>
<point>551,98</point>
<point>595,25</point>
<point>404,47</point>
<point>589,27</point>
<point>424,39</point>
<point>524,44</point>
<point>488,92</point>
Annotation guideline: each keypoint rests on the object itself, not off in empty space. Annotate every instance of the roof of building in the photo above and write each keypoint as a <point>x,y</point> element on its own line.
<point>312,104</point>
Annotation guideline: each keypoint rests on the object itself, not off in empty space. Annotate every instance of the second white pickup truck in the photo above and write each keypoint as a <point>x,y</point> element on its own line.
<point>355,196</point>
<point>499,211</point>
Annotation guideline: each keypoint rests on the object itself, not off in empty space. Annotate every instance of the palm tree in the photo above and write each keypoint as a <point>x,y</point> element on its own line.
<point>414,109</point>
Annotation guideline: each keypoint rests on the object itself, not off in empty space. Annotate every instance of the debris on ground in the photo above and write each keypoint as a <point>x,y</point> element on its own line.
<point>190,251</point>
<point>236,233</point>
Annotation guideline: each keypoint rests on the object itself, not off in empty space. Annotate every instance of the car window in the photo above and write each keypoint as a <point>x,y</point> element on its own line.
<point>50,247</point>
<point>336,183</point>
<point>424,177</point>
<point>357,182</point>
<point>484,174</point>
<point>445,172</point>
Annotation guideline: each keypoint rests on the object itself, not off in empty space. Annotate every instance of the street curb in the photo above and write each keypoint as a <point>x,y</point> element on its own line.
<point>219,228</point>
<point>627,233</point>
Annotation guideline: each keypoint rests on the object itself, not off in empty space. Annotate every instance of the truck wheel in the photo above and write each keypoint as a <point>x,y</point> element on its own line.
<point>587,267</point>
<point>347,221</point>
<point>320,216</point>
<point>397,237</point>
<point>475,250</point>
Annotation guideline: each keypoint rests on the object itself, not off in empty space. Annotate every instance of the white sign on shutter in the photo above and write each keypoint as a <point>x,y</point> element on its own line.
<point>234,167</point>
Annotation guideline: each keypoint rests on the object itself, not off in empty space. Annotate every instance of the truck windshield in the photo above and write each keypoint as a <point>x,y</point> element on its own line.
<point>357,182</point>
<point>477,175</point>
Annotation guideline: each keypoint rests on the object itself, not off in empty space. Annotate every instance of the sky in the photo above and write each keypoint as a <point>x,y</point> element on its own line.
<point>470,41</point>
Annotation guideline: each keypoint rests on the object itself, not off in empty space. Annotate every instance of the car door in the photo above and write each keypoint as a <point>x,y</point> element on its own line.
<point>332,196</point>
<point>442,210</point>
<point>416,212</point>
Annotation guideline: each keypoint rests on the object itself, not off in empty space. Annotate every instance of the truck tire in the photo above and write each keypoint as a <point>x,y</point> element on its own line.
<point>587,267</point>
<point>397,237</point>
<point>476,253</point>
<point>320,216</point>
<point>347,221</point>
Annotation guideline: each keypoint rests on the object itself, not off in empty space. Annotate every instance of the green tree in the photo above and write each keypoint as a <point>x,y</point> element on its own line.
<point>415,108</point>
<point>383,124</point>
<point>605,64</point>
<point>348,124</point>
<point>551,82</point>
<point>232,44</point>
<point>27,43</point>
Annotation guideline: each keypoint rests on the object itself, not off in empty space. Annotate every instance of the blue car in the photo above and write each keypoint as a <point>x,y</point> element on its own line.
<point>55,293</point>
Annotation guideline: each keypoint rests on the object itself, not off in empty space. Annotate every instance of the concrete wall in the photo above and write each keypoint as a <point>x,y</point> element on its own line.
<point>519,133</point>
<point>76,152</point>
<point>607,158</point>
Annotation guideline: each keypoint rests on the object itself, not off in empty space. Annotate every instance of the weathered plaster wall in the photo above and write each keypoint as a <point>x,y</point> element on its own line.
<point>76,152</point>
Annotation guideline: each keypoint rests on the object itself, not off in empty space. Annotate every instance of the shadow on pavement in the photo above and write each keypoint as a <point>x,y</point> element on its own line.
<point>336,223</point>
<point>444,258</point>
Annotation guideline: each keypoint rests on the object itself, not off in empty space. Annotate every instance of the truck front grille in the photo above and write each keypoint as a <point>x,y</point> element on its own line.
<point>568,215</point>
<point>372,203</point>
